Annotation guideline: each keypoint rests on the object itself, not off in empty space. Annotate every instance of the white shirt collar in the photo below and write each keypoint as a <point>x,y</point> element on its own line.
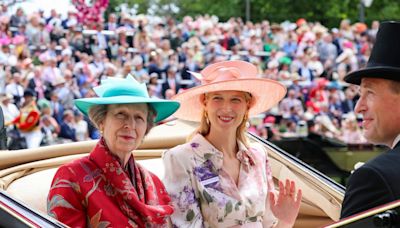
<point>396,140</point>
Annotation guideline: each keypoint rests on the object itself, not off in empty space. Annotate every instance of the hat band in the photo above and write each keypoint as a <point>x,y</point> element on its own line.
<point>221,74</point>
<point>372,64</point>
<point>125,92</point>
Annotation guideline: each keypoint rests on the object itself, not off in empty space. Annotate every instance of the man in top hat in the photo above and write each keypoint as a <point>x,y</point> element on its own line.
<point>377,182</point>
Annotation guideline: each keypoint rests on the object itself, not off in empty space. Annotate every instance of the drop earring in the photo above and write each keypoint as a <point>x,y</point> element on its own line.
<point>207,120</point>
<point>246,119</point>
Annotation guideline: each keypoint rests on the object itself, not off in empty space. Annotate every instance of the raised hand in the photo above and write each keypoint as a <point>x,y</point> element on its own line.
<point>286,207</point>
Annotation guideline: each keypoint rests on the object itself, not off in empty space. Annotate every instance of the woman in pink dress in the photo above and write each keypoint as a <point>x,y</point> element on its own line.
<point>219,178</point>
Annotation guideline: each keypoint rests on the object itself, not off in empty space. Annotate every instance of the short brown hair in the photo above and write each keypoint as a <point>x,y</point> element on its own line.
<point>97,113</point>
<point>395,86</point>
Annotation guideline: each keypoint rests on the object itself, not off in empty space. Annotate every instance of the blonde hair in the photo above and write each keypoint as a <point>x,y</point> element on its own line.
<point>204,127</point>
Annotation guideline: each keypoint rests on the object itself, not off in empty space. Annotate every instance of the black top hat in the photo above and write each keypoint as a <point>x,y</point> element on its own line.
<point>384,61</point>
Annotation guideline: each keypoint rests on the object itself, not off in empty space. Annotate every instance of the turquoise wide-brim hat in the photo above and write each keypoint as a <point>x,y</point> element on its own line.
<point>126,91</point>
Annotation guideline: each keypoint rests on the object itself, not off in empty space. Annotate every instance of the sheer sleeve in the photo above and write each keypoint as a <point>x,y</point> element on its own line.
<point>178,183</point>
<point>269,219</point>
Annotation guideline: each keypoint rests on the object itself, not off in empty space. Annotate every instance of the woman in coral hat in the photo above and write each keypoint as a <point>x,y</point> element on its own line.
<point>219,178</point>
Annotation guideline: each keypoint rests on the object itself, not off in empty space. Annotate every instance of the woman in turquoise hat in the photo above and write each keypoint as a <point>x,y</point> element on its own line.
<point>107,187</point>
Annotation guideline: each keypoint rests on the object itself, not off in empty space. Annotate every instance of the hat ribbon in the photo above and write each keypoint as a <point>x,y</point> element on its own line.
<point>220,73</point>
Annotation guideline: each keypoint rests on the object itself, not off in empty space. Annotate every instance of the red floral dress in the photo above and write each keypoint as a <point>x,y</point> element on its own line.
<point>96,191</point>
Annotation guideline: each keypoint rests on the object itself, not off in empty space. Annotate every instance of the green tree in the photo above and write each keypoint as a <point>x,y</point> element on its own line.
<point>328,12</point>
<point>383,10</point>
<point>143,5</point>
<point>223,9</point>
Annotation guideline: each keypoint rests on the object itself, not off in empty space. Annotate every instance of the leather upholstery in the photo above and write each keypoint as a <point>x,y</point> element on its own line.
<point>27,174</point>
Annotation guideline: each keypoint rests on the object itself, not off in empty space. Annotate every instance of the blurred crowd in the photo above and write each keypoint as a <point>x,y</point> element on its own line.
<point>47,62</point>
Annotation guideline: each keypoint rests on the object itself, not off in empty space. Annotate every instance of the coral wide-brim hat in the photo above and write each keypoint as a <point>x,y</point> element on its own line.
<point>126,91</point>
<point>229,76</point>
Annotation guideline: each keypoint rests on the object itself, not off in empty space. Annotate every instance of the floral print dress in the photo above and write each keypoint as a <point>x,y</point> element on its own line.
<point>204,195</point>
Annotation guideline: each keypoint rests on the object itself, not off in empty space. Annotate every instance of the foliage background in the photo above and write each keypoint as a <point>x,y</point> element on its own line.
<point>328,12</point>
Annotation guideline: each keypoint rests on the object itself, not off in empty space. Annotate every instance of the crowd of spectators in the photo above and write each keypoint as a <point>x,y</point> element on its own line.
<point>54,60</point>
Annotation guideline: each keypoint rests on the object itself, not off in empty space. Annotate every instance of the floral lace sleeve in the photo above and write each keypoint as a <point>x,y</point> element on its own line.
<point>269,172</point>
<point>269,219</point>
<point>178,183</point>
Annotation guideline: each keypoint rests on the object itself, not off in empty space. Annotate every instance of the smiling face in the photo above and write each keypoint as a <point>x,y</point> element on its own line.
<point>380,108</point>
<point>226,109</point>
<point>124,127</point>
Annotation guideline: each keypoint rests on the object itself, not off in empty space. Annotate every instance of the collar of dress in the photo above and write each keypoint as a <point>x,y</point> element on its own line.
<point>203,148</point>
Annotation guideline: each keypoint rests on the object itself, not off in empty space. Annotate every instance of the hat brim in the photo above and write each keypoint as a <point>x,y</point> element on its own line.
<point>390,73</point>
<point>267,93</point>
<point>164,108</point>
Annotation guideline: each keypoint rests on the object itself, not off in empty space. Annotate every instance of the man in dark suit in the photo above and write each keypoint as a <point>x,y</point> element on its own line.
<point>171,82</point>
<point>378,181</point>
<point>112,23</point>
<point>67,130</point>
